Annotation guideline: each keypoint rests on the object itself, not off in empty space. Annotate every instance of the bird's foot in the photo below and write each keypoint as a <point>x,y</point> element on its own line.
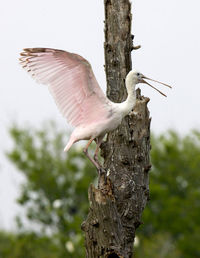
<point>101,171</point>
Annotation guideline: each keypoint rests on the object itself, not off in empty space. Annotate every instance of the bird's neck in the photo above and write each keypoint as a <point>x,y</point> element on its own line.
<point>130,102</point>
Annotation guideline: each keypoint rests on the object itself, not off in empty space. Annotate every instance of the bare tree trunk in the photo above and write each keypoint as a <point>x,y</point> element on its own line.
<point>116,205</point>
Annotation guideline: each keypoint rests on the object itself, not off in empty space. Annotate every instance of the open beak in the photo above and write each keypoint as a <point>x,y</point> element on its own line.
<point>143,81</point>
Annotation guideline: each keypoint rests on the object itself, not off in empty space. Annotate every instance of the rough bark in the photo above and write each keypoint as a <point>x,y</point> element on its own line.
<point>117,203</point>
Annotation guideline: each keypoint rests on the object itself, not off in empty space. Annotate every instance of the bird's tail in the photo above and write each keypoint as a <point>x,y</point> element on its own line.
<point>69,144</point>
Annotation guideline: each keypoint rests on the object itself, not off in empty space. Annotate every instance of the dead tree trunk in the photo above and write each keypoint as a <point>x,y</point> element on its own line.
<point>116,205</point>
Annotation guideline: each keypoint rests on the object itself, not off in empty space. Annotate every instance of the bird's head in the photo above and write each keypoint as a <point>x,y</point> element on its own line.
<point>134,77</point>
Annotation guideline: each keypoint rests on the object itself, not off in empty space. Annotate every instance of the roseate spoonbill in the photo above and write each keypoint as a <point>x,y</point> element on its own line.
<point>79,98</point>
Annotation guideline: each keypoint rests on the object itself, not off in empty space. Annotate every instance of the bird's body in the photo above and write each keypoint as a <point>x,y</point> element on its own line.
<point>99,128</point>
<point>77,94</point>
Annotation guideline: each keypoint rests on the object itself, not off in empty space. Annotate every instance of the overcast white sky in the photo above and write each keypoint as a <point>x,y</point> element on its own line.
<point>167,30</point>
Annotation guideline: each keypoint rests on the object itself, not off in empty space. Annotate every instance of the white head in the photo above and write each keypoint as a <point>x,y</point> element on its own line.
<point>134,77</point>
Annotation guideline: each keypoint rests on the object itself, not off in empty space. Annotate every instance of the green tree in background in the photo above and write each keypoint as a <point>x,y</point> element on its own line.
<point>54,196</point>
<point>172,219</point>
<point>27,245</point>
<point>55,191</point>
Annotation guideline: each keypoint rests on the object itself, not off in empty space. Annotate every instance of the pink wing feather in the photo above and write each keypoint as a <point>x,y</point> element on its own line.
<point>71,82</point>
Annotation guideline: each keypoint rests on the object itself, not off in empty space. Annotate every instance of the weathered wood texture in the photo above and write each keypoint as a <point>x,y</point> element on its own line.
<point>116,205</point>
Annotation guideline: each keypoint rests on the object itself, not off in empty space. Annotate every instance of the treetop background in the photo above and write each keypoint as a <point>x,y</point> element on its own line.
<point>54,196</point>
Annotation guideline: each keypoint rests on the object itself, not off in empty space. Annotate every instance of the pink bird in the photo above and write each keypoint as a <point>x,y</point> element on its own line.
<point>79,98</point>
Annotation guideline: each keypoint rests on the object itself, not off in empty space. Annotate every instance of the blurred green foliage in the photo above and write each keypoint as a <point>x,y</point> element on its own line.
<point>27,245</point>
<point>172,217</point>
<point>54,196</point>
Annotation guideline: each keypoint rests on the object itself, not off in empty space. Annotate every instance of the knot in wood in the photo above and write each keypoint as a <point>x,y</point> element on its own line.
<point>113,255</point>
<point>147,168</point>
<point>95,223</point>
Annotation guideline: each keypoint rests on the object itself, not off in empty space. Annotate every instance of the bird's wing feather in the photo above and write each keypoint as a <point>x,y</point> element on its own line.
<point>71,82</point>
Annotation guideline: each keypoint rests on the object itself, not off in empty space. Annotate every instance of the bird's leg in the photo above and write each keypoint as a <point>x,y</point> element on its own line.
<point>85,150</point>
<point>96,153</point>
<point>98,142</point>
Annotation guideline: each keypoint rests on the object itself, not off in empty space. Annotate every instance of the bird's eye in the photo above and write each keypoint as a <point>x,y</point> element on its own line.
<point>138,74</point>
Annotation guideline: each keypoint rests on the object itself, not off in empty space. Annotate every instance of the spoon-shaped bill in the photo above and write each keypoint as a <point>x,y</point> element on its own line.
<point>143,81</point>
<point>157,82</point>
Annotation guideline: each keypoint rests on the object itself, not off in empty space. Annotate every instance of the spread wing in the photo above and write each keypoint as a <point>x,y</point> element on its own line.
<point>71,82</point>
